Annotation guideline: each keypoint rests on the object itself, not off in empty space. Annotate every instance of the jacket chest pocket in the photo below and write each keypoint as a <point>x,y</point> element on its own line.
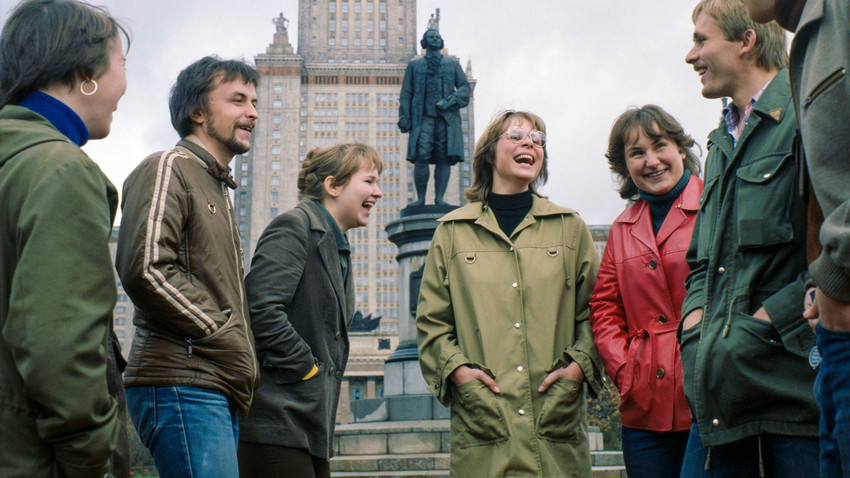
<point>763,201</point>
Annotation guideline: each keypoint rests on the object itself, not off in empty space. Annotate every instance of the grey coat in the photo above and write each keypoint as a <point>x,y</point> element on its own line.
<point>300,312</point>
<point>412,104</point>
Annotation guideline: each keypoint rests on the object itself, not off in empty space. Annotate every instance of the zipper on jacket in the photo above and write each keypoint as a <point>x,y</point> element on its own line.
<point>238,255</point>
<point>829,81</point>
<point>189,347</point>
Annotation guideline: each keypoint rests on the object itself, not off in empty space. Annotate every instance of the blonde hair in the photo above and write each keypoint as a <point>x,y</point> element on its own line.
<point>340,161</point>
<point>770,52</point>
<point>485,154</point>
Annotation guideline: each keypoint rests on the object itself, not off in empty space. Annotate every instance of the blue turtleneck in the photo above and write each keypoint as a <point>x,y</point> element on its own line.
<point>659,205</point>
<point>59,114</point>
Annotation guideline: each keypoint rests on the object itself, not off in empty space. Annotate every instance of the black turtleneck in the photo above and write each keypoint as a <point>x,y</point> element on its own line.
<point>510,209</point>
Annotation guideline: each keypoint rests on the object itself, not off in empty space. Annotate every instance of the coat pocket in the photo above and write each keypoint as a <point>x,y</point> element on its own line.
<point>476,418</point>
<point>766,188</point>
<point>561,414</point>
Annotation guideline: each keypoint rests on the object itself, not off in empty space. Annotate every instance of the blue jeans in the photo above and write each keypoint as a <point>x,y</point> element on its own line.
<point>652,454</point>
<point>191,432</point>
<point>832,390</point>
<point>783,456</point>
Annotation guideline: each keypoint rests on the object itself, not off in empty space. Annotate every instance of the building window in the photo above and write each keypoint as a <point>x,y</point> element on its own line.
<point>274,196</point>
<point>331,41</point>
<point>344,43</point>
<point>356,6</point>
<point>345,25</point>
<point>303,97</point>
<point>357,42</point>
<point>370,42</point>
<point>344,7</point>
<point>243,181</point>
<point>383,25</point>
<point>370,25</point>
<point>357,25</point>
<point>302,142</point>
<point>243,211</point>
<point>275,181</point>
<point>383,7</point>
<point>332,25</point>
<point>244,166</point>
<point>276,149</point>
<point>273,212</point>
<point>277,104</point>
<point>276,134</point>
<point>303,126</point>
<point>383,45</point>
<point>278,89</point>
<point>401,40</point>
<point>303,111</point>
<point>275,165</point>
<point>370,7</point>
<point>276,119</point>
<point>333,6</point>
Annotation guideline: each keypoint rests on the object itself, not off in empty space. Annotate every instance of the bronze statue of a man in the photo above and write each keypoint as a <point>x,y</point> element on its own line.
<point>432,93</point>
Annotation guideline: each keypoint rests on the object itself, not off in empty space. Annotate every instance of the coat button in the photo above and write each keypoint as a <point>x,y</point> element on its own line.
<point>715,423</point>
<point>721,270</point>
<point>519,368</point>
<point>514,285</point>
<point>521,411</point>
<point>337,335</point>
<point>652,264</point>
<point>659,373</point>
<point>662,319</point>
<point>516,325</point>
<point>512,248</point>
<point>338,375</point>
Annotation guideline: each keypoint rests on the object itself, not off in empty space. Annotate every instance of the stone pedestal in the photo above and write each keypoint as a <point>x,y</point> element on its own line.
<point>406,396</point>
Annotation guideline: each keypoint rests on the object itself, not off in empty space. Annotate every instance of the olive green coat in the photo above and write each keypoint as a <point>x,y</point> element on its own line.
<point>516,308</point>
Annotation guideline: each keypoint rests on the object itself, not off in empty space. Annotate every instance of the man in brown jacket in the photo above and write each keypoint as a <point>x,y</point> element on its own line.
<point>192,365</point>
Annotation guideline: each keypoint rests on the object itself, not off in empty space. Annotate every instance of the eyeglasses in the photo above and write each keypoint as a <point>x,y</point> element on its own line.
<point>515,134</point>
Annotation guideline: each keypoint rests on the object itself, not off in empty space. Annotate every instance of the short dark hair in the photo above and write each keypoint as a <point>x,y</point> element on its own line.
<point>485,155</point>
<point>422,41</point>
<point>46,41</point>
<point>655,123</point>
<point>191,92</point>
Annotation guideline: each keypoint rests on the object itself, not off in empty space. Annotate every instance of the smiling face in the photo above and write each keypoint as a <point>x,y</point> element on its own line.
<point>111,85</point>
<point>351,203</point>
<point>655,164</point>
<point>714,58</point>
<point>516,165</point>
<point>226,127</point>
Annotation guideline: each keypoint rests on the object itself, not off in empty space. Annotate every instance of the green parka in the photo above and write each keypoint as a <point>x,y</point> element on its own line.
<point>57,292</point>
<point>744,376</point>
<point>516,308</point>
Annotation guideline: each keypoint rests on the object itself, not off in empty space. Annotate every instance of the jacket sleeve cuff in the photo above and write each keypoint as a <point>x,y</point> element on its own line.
<point>440,385</point>
<point>691,303</point>
<point>832,279</point>
<point>589,366</point>
<point>785,309</point>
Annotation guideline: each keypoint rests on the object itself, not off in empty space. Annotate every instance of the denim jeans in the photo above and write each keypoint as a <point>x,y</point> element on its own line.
<point>651,454</point>
<point>191,432</point>
<point>783,456</point>
<point>832,390</point>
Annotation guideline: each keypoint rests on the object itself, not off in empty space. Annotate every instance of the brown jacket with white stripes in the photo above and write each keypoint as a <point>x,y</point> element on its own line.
<point>180,261</point>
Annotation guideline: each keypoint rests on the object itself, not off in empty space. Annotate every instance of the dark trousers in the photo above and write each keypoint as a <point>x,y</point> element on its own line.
<point>432,146</point>
<point>650,454</point>
<point>257,460</point>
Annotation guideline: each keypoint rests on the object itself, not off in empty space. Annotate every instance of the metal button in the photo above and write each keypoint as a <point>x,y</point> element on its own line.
<point>767,175</point>
<point>721,270</point>
<point>519,368</point>
<point>512,248</point>
<point>715,423</point>
<point>659,373</point>
<point>337,335</point>
<point>652,264</point>
<point>516,325</point>
<point>521,411</point>
<point>338,375</point>
<point>514,285</point>
<point>662,319</point>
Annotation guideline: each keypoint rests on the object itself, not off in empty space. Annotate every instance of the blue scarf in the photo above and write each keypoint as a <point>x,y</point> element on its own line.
<point>59,114</point>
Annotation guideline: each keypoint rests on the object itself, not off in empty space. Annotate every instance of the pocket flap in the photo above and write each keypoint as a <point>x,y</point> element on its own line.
<point>763,169</point>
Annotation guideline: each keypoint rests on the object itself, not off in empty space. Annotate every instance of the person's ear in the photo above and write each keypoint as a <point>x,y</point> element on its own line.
<point>197,116</point>
<point>331,189</point>
<point>748,44</point>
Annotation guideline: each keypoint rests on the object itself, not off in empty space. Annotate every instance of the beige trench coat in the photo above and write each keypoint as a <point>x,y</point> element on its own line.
<point>516,308</point>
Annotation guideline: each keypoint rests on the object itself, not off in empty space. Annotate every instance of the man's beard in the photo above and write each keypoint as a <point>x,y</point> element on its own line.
<point>230,143</point>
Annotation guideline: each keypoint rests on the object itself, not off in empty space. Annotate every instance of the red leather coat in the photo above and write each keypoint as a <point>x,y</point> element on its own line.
<point>636,309</point>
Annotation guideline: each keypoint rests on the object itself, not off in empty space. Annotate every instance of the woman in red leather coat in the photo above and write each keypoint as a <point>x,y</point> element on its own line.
<point>636,304</point>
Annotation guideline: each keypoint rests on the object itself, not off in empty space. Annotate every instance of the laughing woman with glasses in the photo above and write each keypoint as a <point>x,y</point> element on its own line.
<point>503,330</point>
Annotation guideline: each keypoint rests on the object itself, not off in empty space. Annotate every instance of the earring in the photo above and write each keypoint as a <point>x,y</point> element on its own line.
<point>83,91</point>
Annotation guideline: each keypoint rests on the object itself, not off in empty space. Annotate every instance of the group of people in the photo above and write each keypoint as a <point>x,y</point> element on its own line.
<point>697,311</point>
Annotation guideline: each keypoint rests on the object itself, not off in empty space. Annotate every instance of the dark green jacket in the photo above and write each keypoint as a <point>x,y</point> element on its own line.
<point>57,292</point>
<point>744,376</point>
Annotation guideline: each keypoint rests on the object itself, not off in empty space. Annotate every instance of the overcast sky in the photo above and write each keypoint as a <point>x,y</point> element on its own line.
<point>576,63</point>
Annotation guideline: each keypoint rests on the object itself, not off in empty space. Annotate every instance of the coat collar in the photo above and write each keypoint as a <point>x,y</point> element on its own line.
<point>812,13</point>
<point>328,251</point>
<point>192,147</point>
<point>687,202</point>
<point>475,210</point>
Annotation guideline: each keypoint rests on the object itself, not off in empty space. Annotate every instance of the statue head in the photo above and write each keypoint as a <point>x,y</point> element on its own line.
<point>431,40</point>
